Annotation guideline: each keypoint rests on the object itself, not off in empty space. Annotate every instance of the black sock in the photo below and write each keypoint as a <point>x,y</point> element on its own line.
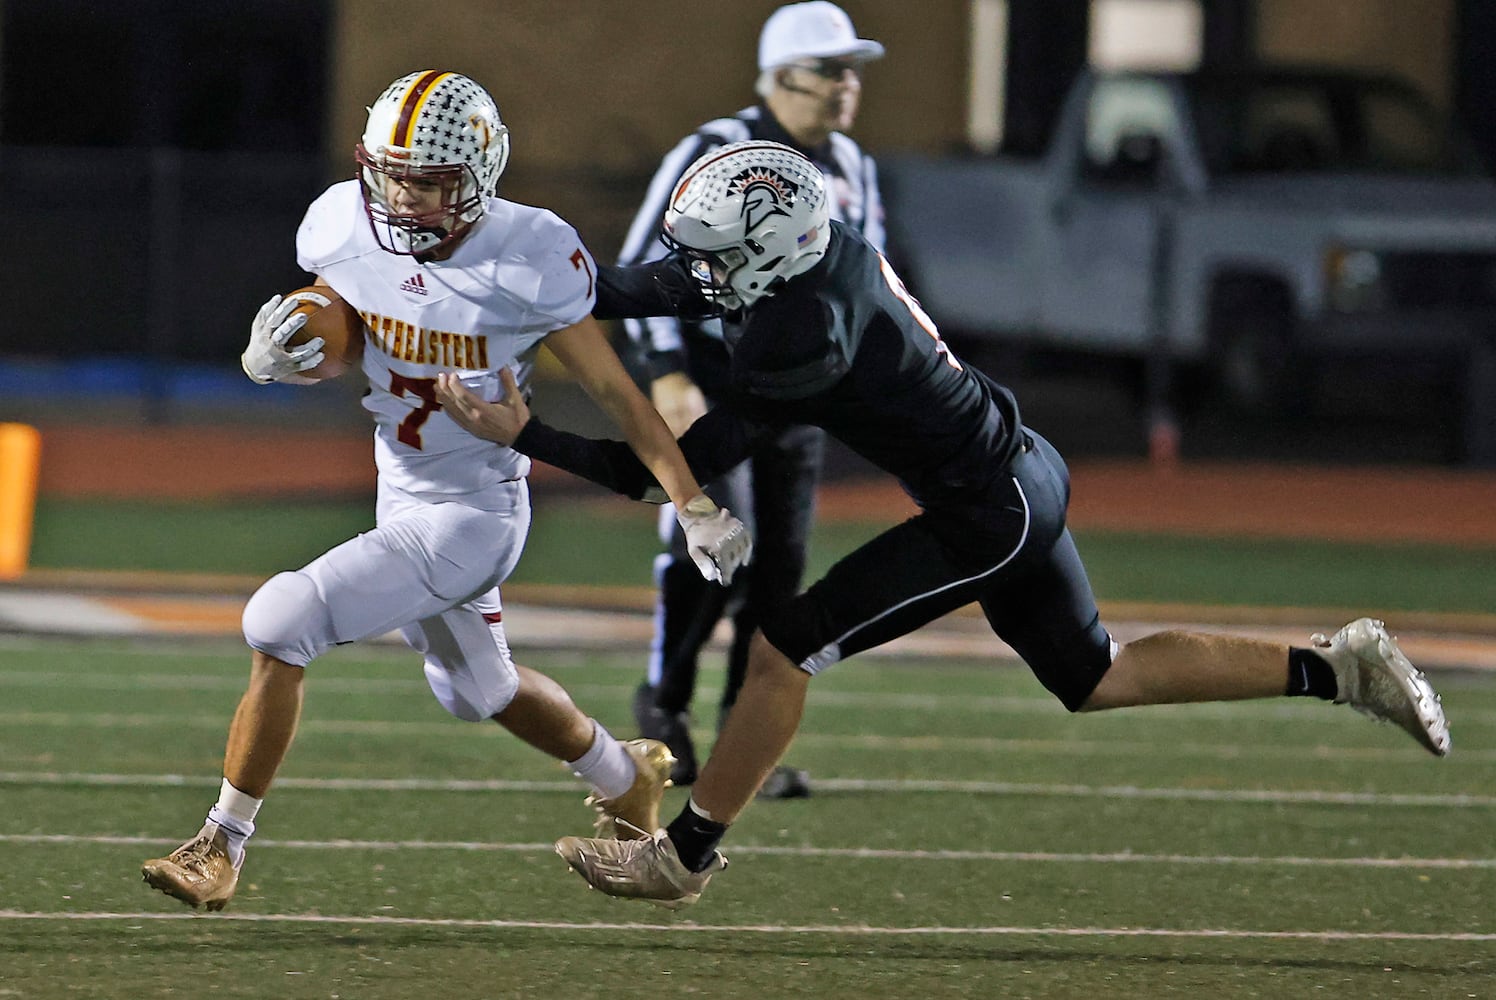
<point>695,837</point>
<point>1310,674</point>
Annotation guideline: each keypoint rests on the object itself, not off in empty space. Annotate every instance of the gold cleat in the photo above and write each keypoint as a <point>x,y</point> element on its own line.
<point>199,873</point>
<point>646,868</point>
<point>639,807</point>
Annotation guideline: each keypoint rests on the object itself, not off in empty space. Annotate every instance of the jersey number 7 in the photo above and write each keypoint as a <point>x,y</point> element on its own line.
<point>423,389</point>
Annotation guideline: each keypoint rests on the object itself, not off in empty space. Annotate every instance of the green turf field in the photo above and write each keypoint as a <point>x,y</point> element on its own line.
<point>967,838</point>
<point>614,543</point>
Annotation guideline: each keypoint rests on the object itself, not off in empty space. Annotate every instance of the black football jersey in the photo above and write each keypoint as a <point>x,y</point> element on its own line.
<point>843,347</point>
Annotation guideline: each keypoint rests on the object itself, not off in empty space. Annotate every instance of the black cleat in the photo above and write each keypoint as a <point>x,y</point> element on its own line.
<point>672,729</point>
<point>786,783</point>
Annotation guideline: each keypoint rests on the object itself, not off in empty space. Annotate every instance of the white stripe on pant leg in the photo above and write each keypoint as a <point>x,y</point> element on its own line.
<point>831,652</point>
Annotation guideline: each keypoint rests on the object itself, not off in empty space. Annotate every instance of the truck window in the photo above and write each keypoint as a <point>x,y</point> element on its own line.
<point>1316,122</point>
<point>1287,128</point>
<point>1400,135</point>
<point>1129,123</point>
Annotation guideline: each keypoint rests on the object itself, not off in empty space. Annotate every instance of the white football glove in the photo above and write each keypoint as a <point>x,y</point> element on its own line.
<point>718,542</point>
<point>266,358</point>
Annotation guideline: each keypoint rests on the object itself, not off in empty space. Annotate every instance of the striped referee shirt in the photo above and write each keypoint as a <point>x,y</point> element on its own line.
<point>851,180</point>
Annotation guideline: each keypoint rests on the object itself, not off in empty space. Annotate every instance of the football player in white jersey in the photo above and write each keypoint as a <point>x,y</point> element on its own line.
<point>448,278</point>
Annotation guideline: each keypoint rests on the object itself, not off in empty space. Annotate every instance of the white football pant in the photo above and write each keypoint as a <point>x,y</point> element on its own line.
<point>430,570</point>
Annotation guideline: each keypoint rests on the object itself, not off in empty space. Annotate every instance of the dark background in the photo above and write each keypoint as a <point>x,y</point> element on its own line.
<point>158,156</point>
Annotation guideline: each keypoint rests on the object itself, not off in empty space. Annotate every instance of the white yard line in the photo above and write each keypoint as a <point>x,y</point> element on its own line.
<point>892,786</point>
<point>855,853</point>
<point>868,742</point>
<point>837,930</point>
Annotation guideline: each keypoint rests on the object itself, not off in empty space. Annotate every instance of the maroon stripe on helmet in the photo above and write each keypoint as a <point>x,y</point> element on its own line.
<point>412,103</point>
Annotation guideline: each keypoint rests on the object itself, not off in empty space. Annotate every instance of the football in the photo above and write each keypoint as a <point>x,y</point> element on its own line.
<point>336,322</point>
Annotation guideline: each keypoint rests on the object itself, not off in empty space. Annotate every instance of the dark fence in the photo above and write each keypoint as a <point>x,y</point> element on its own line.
<point>160,252</point>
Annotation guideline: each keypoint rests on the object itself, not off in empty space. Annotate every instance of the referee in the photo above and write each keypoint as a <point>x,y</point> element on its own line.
<point>809,85</point>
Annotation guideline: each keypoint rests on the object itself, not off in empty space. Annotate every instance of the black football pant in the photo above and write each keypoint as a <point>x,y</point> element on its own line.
<point>1007,550</point>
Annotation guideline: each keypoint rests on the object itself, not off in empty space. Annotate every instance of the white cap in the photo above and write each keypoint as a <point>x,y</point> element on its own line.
<point>814,30</point>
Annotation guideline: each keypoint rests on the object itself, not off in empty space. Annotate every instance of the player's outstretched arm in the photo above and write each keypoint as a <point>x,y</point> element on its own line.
<point>584,350</point>
<point>651,467</point>
<point>663,287</point>
<point>718,542</point>
<point>508,421</point>
<point>711,445</point>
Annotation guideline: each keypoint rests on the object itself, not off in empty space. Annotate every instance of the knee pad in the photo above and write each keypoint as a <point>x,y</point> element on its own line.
<point>287,619</point>
<point>466,699</point>
<point>467,664</point>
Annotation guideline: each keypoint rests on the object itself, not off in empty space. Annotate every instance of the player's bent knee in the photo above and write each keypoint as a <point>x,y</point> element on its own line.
<point>1077,679</point>
<point>464,698</point>
<point>288,620</point>
<point>795,632</point>
<point>466,711</point>
<point>1077,690</point>
<point>767,664</point>
<point>473,708</point>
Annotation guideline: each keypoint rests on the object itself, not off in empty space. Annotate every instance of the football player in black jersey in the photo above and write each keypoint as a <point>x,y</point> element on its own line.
<point>822,332</point>
<point>810,61</point>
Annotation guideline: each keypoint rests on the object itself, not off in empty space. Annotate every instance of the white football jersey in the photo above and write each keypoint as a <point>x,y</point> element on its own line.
<point>519,274</point>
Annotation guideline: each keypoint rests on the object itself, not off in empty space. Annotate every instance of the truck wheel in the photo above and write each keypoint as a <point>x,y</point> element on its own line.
<point>1256,367</point>
<point>1477,446</point>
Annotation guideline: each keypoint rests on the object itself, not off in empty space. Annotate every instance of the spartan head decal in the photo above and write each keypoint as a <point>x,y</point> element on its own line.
<point>765,193</point>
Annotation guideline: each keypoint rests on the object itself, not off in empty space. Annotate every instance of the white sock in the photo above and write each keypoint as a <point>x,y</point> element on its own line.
<point>234,813</point>
<point>606,765</point>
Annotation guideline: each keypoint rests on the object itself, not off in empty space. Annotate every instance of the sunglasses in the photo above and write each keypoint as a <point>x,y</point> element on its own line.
<point>831,69</point>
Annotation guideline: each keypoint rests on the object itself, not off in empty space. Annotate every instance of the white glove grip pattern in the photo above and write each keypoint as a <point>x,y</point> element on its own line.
<point>266,359</point>
<point>718,542</point>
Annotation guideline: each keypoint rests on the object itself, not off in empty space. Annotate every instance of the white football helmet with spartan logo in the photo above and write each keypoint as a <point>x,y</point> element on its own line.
<point>750,215</point>
<point>437,127</point>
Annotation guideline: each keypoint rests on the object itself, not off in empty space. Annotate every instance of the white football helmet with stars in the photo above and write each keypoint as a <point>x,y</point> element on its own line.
<point>431,126</point>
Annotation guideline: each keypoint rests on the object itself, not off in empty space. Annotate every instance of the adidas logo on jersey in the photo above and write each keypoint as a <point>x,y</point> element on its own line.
<point>415,284</point>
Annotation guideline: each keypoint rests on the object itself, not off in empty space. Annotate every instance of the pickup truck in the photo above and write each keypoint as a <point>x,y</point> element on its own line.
<point>1250,226</point>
